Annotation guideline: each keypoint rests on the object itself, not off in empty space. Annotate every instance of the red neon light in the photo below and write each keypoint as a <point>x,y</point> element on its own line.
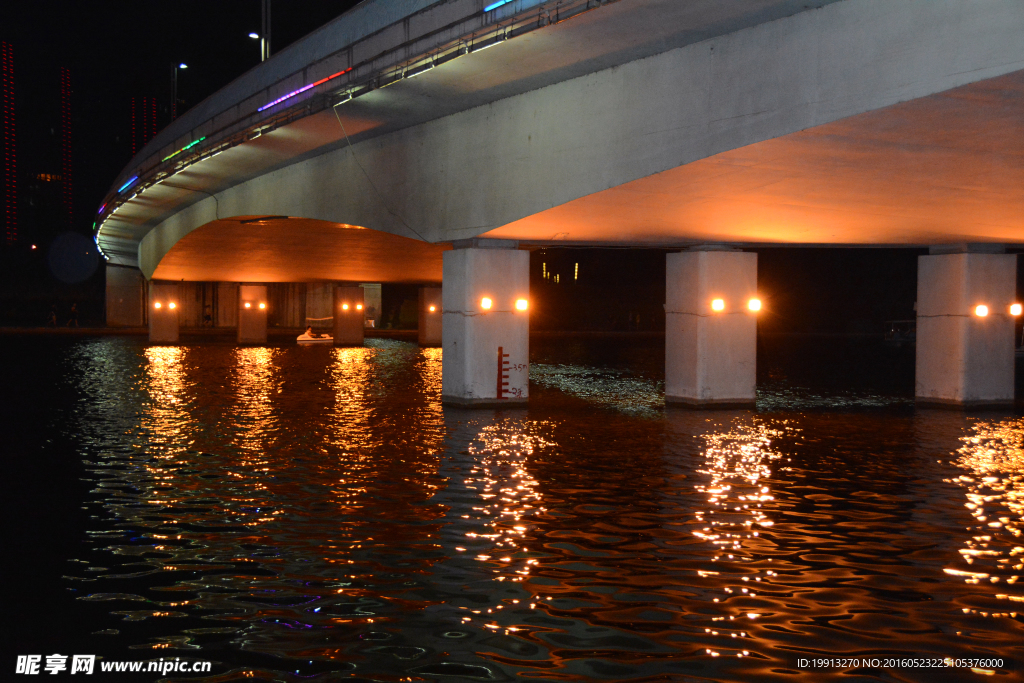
<point>133,126</point>
<point>65,115</point>
<point>10,150</point>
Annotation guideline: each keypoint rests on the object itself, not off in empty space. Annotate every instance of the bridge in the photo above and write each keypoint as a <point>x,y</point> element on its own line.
<point>402,129</point>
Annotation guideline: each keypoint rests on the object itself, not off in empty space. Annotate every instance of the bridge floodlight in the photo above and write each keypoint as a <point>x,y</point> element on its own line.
<point>718,305</point>
<point>1015,309</point>
<point>521,304</point>
<point>754,304</point>
<point>485,303</point>
<point>981,310</point>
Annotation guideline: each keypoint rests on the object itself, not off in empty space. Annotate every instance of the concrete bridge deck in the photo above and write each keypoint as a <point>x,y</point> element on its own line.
<point>636,122</point>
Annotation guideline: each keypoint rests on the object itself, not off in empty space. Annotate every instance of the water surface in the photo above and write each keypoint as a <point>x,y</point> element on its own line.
<point>316,514</point>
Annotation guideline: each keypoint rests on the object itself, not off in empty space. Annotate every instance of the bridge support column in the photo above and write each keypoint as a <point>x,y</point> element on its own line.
<point>430,316</point>
<point>126,297</point>
<point>964,352</point>
<point>163,312</point>
<point>710,329</point>
<point>485,323</point>
<point>252,314</point>
<point>348,316</point>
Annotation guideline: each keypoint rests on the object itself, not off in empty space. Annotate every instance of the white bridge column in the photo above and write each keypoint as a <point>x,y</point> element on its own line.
<point>252,314</point>
<point>965,352</point>
<point>163,312</point>
<point>711,328</point>
<point>485,329</point>
<point>430,316</point>
<point>348,316</point>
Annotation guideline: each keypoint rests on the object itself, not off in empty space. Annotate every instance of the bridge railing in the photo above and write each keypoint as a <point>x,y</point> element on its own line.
<point>422,40</point>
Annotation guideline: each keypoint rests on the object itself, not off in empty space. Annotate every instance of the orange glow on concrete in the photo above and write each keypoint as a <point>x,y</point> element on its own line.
<point>718,305</point>
<point>981,310</point>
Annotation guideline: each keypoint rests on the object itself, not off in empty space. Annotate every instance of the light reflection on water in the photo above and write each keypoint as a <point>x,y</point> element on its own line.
<point>316,510</point>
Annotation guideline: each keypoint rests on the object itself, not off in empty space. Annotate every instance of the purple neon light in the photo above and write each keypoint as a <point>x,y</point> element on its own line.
<point>303,89</point>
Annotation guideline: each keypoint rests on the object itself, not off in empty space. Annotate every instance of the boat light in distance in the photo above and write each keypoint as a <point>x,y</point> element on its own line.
<point>485,303</point>
<point>1015,309</point>
<point>262,305</point>
<point>981,310</point>
<point>718,305</point>
<point>303,89</point>
<point>521,304</point>
<point>131,181</point>
<point>754,304</point>
<point>496,5</point>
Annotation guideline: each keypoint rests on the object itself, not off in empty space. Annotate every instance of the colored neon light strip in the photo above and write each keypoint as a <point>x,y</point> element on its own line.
<point>128,184</point>
<point>303,89</point>
<point>189,145</point>
<point>101,208</point>
<point>496,5</point>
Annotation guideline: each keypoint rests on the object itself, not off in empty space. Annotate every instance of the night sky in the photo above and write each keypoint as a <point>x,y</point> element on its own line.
<point>119,50</point>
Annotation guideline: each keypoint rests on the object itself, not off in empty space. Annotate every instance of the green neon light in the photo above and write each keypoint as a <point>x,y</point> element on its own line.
<point>191,144</point>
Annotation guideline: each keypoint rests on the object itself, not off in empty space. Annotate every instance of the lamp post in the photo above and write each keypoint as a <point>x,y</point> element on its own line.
<point>265,32</point>
<point>174,89</point>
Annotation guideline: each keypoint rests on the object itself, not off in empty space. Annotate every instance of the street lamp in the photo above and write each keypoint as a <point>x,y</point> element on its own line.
<point>174,89</point>
<point>264,35</point>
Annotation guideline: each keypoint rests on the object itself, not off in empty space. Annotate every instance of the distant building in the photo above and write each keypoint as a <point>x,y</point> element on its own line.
<point>8,146</point>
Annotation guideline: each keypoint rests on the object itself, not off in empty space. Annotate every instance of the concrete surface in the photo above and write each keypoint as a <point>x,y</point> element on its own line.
<point>710,356</point>
<point>252,320</point>
<point>964,360</point>
<point>429,324</point>
<point>163,321</point>
<point>472,335</point>
<point>348,316</point>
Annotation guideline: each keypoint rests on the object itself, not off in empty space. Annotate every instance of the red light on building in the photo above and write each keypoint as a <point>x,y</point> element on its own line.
<point>65,140</point>
<point>8,145</point>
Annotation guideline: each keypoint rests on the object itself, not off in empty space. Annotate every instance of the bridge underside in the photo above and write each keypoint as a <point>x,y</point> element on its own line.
<point>944,168</point>
<point>277,249</point>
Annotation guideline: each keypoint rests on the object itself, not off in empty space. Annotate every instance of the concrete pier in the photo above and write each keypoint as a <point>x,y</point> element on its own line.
<point>163,312</point>
<point>711,328</point>
<point>348,316</point>
<point>430,316</point>
<point>252,314</point>
<point>485,323</point>
<point>125,297</point>
<point>965,340</point>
